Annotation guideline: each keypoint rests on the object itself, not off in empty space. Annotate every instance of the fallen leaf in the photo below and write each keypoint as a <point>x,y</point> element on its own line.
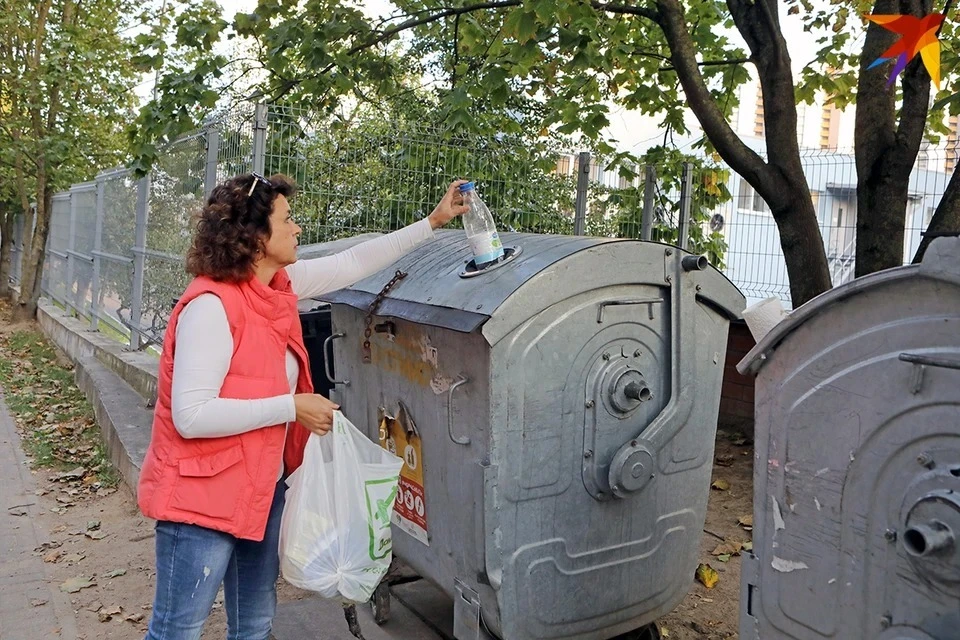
<point>727,549</point>
<point>73,585</point>
<point>95,535</point>
<point>745,521</point>
<point>664,632</point>
<point>748,545</point>
<point>115,573</point>
<point>720,485</point>
<point>73,557</point>
<point>107,613</point>
<point>53,556</point>
<point>707,576</point>
<point>134,617</point>
<point>17,511</point>
<point>73,474</point>
<point>95,606</point>
<point>724,557</point>
<point>64,500</point>
<point>725,460</point>
<point>36,602</point>
<point>699,628</point>
<point>93,525</point>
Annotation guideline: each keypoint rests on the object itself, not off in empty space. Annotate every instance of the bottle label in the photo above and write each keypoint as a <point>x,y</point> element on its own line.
<point>486,247</point>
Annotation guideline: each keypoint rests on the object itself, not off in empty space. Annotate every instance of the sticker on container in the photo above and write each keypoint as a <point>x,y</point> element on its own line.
<point>399,436</point>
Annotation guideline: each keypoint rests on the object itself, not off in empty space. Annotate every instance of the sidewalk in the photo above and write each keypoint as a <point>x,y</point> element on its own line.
<point>30,609</point>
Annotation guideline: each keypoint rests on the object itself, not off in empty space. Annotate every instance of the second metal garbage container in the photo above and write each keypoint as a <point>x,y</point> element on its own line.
<point>557,416</point>
<point>857,468</point>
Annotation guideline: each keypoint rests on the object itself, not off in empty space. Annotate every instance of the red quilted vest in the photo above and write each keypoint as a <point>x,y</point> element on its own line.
<point>228,483</point>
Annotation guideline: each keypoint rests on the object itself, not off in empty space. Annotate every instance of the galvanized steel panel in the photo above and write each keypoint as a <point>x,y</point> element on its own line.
<point>857,475</point>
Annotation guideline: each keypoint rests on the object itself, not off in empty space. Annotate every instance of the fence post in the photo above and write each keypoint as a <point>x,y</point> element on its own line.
<point>259,138</point>
<point>649,184</point>
<point>139,260</point>
<point>583,184</point>
<point>686,197</point>
<point>69,302</point>
<point>212,136</point>
<point>97,248</point>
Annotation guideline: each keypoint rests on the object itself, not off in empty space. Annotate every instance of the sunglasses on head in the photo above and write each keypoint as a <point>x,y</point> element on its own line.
<point>257,178</point>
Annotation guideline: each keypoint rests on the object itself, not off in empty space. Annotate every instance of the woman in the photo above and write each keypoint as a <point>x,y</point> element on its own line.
<point>235,403</point>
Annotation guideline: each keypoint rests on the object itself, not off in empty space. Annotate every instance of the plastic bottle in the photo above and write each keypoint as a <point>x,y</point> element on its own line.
<point>481,230</point>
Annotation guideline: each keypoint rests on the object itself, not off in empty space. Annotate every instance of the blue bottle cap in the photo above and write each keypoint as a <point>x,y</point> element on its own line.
<point>467,186</point>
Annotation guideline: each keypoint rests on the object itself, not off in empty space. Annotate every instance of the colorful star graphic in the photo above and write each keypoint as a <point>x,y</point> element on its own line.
<point>918,35</point>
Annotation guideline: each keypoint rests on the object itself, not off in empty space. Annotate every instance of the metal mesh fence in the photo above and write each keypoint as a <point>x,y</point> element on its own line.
<point>83,212</point>
<point>114,259</point>
<point>58,244</point>
<point>16,248</point>
<point>379,176</point>
<point>116,247</point>
<point>175,197</point>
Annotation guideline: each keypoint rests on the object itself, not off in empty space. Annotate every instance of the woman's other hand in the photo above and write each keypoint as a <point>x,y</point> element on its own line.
<point>450,206</point>
<point>315,412</point>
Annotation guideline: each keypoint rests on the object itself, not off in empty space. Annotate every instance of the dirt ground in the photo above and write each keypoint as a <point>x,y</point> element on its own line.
<point>125,552</point>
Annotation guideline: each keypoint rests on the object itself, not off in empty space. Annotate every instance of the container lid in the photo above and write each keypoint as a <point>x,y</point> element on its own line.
<point>433,292</point>
<point>940,262</point>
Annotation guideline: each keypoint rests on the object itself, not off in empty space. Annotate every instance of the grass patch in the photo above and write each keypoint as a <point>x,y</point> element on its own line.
<point>55,421</point>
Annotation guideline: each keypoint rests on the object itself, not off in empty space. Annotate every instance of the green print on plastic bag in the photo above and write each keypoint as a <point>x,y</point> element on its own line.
<point>380,495</point>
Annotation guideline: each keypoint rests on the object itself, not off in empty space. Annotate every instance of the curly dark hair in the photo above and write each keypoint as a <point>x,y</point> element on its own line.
<point>233,227</point>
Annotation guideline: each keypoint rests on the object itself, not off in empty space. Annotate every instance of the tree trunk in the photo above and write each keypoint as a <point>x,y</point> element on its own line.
<point>6,248</point>
<point>26,307</point>
<point>780,180</point>
<point>885,149</point>
<point>946,219</point>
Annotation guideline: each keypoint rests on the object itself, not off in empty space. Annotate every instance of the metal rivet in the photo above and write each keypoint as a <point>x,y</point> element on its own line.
<point>599,496</point>
<point>606,356</point>
<point>924,460</point>
<point>668,279</point>
<point>589,404</point>
<point>479,306</point>
<point>669,252</point>
<point>890,535</point>
<point>699,288</point>
<point>633,443</point>
<point>885,622</point>
<point>636,354</point>
<point>588,454</point>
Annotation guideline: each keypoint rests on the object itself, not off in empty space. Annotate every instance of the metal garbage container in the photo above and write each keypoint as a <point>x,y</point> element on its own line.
<point>557,414</point>
<point>857,468</point>
<point>315,314</point>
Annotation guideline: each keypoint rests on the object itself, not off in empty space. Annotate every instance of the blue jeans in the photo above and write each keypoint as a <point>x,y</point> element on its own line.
<point>192,563</point>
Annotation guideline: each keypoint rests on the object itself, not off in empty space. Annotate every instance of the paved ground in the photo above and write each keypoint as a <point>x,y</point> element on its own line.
<point>29,609</point>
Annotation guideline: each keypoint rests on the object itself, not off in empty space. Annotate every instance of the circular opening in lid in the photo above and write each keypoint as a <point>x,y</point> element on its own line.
<point>509,254</point>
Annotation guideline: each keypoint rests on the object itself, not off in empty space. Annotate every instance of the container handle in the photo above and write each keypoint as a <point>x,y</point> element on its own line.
<point>464,440</point>
<point>327,361</point>
<point>615,303</point>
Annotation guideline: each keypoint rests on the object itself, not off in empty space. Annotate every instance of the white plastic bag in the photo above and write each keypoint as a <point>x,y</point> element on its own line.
<point>335,533</point>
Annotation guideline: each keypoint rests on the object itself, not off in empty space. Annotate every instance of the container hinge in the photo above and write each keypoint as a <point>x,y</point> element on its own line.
<point>372,309</point>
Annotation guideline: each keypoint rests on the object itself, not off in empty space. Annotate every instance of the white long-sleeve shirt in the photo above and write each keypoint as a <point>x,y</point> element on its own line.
<point>205,344</point>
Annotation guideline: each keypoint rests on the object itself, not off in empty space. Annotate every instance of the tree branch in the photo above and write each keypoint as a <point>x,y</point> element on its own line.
<point>713,63</point>
<point>683,54</point>
<point>649,14</point>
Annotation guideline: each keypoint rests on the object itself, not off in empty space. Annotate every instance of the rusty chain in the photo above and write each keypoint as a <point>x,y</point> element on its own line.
<point>368,321</point>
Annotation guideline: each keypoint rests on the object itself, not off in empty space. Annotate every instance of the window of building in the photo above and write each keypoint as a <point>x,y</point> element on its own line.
<point>749,200</point>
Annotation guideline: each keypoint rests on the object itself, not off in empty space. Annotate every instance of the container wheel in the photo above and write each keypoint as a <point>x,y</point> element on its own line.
<point>649,632</point>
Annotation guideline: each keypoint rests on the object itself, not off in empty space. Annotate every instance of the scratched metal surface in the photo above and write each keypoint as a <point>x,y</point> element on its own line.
<point>858,462</point>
